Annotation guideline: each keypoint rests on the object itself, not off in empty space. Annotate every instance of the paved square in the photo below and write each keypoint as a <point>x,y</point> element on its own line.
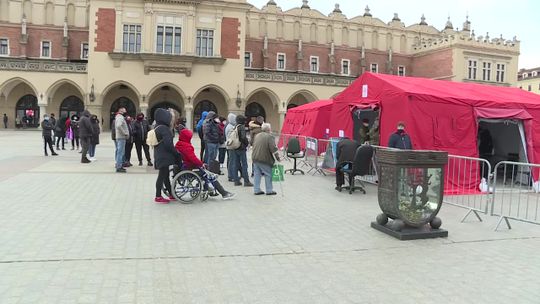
<point>74,233</point>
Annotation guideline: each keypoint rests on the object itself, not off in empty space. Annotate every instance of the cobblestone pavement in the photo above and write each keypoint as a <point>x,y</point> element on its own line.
<point>74,233</point>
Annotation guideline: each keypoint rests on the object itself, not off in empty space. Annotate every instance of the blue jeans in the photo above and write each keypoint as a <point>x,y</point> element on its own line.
<point>92,150</point>
<point>120,151</point>
<point>239,160</point>
<point>211,152</point>
<point>260,169</point>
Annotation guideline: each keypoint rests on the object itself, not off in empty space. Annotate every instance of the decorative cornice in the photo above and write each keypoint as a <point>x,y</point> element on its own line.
<point>42,66</point>
<point>168,63</point>
<point>299,78</point>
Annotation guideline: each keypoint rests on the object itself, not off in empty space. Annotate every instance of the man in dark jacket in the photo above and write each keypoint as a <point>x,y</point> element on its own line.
<point>129,143</point>
<point>165,154</point>
<point>85,134</point>
<point>345,152</point>
<point>211,136</point>
<point>47,128</point>
<point>60,132</point>
<point>140,133</point>
<point>239,156</point>
<point>95,136</point>
<point>264,155</point>
<point>400,139</point>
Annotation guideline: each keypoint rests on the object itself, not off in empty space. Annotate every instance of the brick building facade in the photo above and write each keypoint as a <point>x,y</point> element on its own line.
<point>228,56</point>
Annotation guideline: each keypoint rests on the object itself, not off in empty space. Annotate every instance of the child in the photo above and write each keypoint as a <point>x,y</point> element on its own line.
<point>190,160</point>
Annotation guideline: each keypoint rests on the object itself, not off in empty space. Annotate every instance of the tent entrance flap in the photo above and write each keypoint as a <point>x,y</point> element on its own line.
<point>502,140</point>
<point>361,116</point>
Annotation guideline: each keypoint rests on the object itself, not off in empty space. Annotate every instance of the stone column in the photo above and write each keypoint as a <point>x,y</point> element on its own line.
<point>189,116</point>
<point>217,37</point>
<point>190,32</point>
<point>281,120</point>
<point>144,109</point>
<point>42,111</point>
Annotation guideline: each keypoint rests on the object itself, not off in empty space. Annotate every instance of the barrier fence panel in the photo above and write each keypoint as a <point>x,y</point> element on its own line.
<point>312,155</point>
<point>467,184</point>
<point>515,193</point>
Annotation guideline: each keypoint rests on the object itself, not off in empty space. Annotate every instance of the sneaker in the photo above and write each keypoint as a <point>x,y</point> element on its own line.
<point>121,170</point>
<point>338,188</point>
<point>54,154</point>
<point>46,154</point>
<point>228,196</point>
<point>248,184</point>
<point>161,200</point>
<point>259,193</point>
<point>271,193</point>
<point>85,160</point>
<point>237,183</point>
<point>171,198</point>
<point>150,164</point>
<point>140,163</point>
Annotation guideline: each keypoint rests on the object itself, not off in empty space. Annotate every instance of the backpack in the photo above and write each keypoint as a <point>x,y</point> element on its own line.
<point>233,140</point>
<point>151,138</point>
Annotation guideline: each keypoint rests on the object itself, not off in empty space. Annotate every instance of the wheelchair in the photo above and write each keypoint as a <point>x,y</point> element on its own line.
<point>189,185</point>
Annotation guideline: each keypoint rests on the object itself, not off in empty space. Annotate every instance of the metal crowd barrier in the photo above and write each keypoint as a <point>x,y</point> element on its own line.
<point>468,184</point>
<point>515,193</point>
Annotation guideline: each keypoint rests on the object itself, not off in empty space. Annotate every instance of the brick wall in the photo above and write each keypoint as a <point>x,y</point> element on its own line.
<point>105,30</point>
<point>433,65</point>
<point>230,38</point>
<point>36,34</point>
<point>255,46</point>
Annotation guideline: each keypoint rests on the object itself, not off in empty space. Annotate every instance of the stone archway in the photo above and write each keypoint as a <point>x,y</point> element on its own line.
<point>165,96</point>
<point>119,95</point>
<point>11,93</point>
<point>27,111</point>
<point>71,105</point>
<point>210,98</point>
<point>65,95</point>
<point>263,101</point>
<point>300,98</point>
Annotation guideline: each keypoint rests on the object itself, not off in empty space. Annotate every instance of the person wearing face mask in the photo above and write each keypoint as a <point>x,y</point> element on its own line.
<point>211,136</point>
<point>364,131</point>
<point>140,133</point>
<point>47,128</point>
<point>129,143</point>
<point>94,141</point>
<point>400,139</point>
<point>121,134</point>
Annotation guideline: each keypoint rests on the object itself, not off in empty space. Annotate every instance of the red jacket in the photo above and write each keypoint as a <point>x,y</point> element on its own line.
<point>184,147</point>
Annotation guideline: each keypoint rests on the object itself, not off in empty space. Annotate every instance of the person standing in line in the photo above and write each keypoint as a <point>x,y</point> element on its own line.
<point>140,133</point>
<point>52,119</point>
<point>129,143</point>
<point>400,139</point>
<point>231,123</point>
<point>95,137</point>
<point>85,134</point>
<point>60,132</point>
<point>211,136</point>
<point>264,154</point>
<point>47,128</point>
<point>74,125</point>
<point>255,128</point>
<point>121,134</point>
<point>165,154</point>
<point>199,130</point>
<point>239,159</point>
<point>222,146</point>
<point>5,121</point>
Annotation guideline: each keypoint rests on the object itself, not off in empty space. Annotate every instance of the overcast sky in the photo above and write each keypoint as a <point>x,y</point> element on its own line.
<point>510,18</point>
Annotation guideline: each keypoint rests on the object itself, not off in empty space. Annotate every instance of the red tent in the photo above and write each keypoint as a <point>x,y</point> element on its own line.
<point>440,115</point>
<point>312,119</point>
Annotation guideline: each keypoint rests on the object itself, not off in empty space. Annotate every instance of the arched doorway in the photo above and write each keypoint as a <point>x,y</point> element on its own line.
<point>202,106</point>
<point>163,105</point>
<point>72,105</point>
<point>27,112</point>
<point>255,109</point>
<point>300,98</point>
<point>123,102</point>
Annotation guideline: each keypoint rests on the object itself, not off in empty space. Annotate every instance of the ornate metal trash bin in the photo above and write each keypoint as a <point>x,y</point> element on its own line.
<point>410,193</point>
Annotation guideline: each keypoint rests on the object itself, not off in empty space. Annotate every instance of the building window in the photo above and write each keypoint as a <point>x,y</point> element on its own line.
<point>500,72</point>
<point>374,68</point>
<point>473,65</point>
<point>486,71</point>
<point>4,47</point>
<point>132,38</point>
<point>314,64</point>
<point>45,49</point>
<point>281,61</point>
<point>401,70</point>
<point>345,67</point>
<point>247,59</point>
<point>169,40</point>
<point>84,50</point>
<point>205,43</point>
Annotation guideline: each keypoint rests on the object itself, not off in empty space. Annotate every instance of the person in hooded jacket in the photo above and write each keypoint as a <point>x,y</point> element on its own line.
<point>190,160</point>
<point>74,125</point>
<point>47,128</point>
<point>239,156</point>
<point>165,154</point>
<point>85,134</point>
<point>129,143</point>
<point>231,123</point>
<point>140,133</point>
<point>222,146</point>
<point>94,141</point>
<point>255,128</point>
<point>199,129</point>
<point>60,132</point>
<point>400,139</point>
<point>211,136</point>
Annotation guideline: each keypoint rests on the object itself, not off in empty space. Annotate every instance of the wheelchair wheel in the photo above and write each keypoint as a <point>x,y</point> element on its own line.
<point>187,186</point>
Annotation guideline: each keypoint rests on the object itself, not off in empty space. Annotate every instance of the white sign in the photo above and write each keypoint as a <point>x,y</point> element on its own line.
<point>365,91</point>
<point>341,133</point>
<point>327,131</point>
